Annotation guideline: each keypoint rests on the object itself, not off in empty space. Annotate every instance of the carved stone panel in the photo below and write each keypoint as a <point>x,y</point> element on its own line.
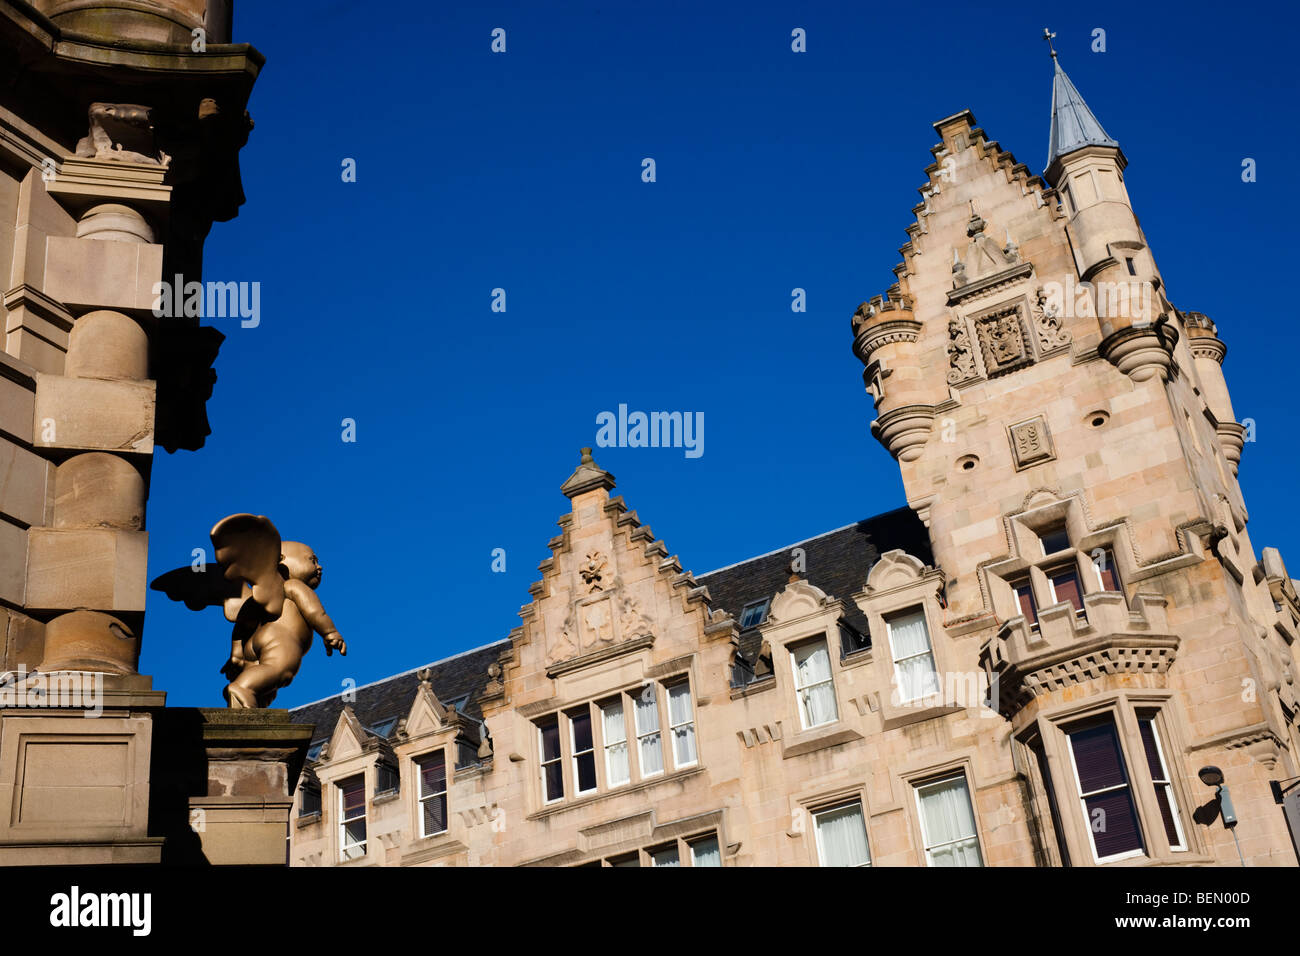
<point>1031,443</point>
<point>961,358</point>
<point>1048,327</point>
<point>1002,340</point>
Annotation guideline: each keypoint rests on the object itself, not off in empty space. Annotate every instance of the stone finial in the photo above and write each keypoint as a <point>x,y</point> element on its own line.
<point>424,675</point>
<point>588,476</point>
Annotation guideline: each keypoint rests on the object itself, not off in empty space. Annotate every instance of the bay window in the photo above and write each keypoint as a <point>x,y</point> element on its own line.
<point>1104,790</point>
<point>1161,780</point>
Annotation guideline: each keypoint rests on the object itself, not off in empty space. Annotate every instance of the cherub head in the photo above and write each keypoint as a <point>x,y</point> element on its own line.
<point>299,561</point>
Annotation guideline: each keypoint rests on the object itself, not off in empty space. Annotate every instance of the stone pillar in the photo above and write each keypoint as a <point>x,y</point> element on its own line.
<point>112,170</point>
<point>224,782</point>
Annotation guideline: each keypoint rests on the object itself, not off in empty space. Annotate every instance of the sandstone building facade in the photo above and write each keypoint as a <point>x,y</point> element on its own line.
<point>1028,665</point>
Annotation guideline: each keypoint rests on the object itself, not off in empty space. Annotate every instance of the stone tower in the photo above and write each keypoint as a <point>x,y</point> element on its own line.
<point>1065,433</point>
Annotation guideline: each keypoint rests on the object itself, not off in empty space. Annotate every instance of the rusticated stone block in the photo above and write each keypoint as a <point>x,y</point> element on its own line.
<point>13,562</point>
<point>17,402</point>
<point>23,640</point>
<point>94,568</point>
<point>94,414</point>
<point>23,483</point>
<point>88,273</point>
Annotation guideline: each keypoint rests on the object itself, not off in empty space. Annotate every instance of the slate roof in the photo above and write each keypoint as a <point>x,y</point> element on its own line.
<point>837,562</point>
<point>1073,124</point>
<point>464,673</point>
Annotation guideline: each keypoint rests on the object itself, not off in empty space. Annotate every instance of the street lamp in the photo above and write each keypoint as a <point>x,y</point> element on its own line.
<point>1212,776</point>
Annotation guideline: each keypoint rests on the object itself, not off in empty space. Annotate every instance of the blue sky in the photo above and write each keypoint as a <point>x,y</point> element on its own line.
<point>775,170</point>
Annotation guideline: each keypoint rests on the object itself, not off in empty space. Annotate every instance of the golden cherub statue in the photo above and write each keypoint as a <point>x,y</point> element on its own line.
<point>268,589</point>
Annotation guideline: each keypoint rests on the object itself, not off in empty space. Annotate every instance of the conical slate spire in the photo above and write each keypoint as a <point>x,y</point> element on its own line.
<point>1073,125</point>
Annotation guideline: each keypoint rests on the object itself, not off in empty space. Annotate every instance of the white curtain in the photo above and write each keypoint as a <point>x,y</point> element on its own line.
<point>913,657</point>
<point>706,853</point>
<point>647,729</point>
<point>616,766</point>
<point>817,693</point>
<point>679,718</point>
<point>667,857</point>
<point>842,837</point>
<point>950,824</point>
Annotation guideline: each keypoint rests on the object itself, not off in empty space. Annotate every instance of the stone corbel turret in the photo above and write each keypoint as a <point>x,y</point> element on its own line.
<point>1208,351</point>
<point>885,334</point>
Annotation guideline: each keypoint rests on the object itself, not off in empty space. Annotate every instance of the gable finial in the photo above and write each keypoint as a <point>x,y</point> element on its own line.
<point>1049,36</point>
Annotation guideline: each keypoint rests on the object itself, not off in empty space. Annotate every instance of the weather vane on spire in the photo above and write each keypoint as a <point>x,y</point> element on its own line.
<point>1049,36</point>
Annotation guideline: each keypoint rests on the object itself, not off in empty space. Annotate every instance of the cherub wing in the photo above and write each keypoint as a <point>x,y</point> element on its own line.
<point>248,548</point>
<point>198,589</point>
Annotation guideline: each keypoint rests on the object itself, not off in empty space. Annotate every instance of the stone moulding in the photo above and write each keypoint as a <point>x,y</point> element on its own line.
<point>887,330</point>
<point>991,283</point>
<point>904,430</point>
<point>1140,353</point>
<point>1020,677</point>
<point>602,654</point>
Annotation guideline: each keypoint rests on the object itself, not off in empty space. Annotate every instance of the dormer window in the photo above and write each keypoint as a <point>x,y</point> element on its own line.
<point>352,818</point>
<point>813,685</point>
<point>433,793</point>
<point>914,669</point>
<point>754,614</point>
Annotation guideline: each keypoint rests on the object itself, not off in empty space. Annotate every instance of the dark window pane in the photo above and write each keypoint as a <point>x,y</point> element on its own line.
<point>435,814</point>
<point>1114,824</point>
<point>1025,595</point>
<point>851,641</point>
<point>356,832</point>
<point>1066,584</point>
<point>554,776</point>
<point>1167,815</point>
<point>581,732</point>
<point>1055,540</point>
<point>1097,757</point>
<point>433,774</point>
<point>551,739</point>
<point>310,800</point>
<point>354,798</point>
<point>1152,751</point>
<point>586,771</point>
